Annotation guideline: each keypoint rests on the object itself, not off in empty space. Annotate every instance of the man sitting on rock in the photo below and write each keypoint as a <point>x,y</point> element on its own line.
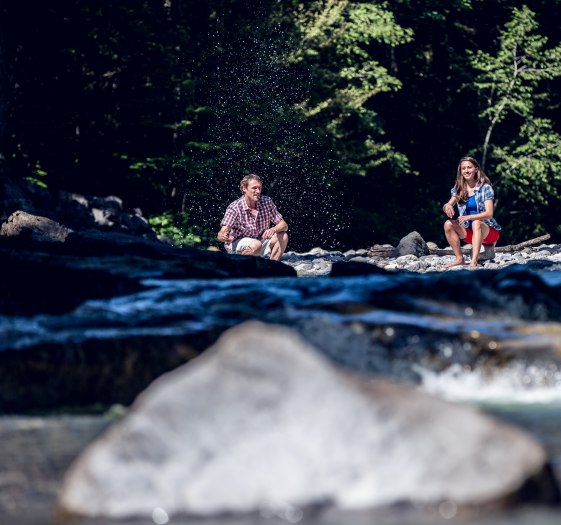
<point>252,224</point>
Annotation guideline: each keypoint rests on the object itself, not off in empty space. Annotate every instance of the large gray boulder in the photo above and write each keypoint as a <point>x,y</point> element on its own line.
<point>261,421</point>
<point>34,228</point>
<point>412,244</point>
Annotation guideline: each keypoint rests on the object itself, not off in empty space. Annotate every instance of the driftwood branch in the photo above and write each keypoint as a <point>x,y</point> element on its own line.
<point>388,251</point>
<point>520,246</point>
<point>500,249</point>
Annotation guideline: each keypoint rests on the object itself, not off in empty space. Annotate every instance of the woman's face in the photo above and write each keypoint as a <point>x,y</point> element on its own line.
<point>468,170</point>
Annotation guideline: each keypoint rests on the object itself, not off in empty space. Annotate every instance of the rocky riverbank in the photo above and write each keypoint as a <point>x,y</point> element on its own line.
<point>50,225</point>
<point>318,261</point>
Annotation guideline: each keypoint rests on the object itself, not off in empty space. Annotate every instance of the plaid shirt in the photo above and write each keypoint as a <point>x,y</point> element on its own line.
<point>482,194</point>
<point>244,223</point>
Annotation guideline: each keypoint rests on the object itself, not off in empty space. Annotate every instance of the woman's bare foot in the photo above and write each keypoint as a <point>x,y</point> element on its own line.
<point>455,262</point>
<point>473,264</point>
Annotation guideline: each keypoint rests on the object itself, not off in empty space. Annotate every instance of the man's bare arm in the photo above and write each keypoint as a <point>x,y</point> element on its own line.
<point>281,226</point>
<point>224,235</point>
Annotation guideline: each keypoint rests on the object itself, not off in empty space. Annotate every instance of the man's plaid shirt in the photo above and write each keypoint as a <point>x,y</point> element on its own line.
<point>239,217</point>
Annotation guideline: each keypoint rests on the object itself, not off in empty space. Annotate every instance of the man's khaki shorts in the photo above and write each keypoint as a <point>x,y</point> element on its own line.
<point>239,245</point>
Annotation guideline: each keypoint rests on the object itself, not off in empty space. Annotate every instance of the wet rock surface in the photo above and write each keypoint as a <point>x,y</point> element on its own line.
<point>58,280</point>
<point>391,324</point>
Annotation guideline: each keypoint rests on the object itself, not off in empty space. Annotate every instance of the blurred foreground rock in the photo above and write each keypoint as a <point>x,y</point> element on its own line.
<point>261,420</point>
<point>35,452</point>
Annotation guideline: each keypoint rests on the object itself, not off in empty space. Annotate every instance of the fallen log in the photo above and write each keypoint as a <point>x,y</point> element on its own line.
<point>501,249</point>
<point>382,250</point>
<point>520,246</point>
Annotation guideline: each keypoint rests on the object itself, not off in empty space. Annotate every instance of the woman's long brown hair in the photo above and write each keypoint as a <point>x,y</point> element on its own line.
<point>461,184</point>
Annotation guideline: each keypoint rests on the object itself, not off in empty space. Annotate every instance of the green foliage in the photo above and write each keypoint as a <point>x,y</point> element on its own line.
<point>339,44</point>
<point>288,94</point>
<point>526,155</point>
<point>509,80</point>
<point>530,166</point>
<point>336,103</point>
<point>176,227</point>
<point>37,177</point>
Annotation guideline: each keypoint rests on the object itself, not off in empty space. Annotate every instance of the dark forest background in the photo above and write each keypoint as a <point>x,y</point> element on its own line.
<point>355,113</point>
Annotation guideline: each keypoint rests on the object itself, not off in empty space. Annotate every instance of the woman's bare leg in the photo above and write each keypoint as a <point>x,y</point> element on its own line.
<point>453,230</point>
<point>480,231</point>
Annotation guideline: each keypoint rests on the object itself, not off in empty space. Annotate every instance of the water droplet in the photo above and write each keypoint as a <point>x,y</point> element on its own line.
<point>448,509</point>
<point>160,516</point>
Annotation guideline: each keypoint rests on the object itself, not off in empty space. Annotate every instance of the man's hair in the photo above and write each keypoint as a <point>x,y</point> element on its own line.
<point>245,181</point>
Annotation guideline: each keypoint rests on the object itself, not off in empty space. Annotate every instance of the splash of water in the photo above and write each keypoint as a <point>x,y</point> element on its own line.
<point>517,383</point>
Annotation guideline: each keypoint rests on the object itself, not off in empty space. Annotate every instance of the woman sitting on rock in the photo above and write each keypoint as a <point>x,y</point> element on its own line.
<point>474,223</point>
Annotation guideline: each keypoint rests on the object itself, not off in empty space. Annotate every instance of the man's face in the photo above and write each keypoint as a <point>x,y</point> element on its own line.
<point>252,192</point>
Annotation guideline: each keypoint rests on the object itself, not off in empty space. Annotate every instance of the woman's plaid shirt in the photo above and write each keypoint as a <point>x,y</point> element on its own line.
<point>482,193</point>
<point>244,223</point>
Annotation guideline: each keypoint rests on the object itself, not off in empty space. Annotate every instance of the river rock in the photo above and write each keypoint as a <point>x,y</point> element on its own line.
<point>34,228</point>
<point>73,210</point>
<point>412,244</point>
<point>261,420</point>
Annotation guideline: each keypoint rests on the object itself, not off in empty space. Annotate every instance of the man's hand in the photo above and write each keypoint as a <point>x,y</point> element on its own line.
<point>225,235</point>
<point>277,228</point>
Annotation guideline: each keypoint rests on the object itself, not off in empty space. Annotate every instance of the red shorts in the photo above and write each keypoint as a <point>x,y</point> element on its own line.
<point>492,236</point>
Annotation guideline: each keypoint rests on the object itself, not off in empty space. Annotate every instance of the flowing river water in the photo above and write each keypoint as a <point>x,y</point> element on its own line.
<point>487,338</point>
